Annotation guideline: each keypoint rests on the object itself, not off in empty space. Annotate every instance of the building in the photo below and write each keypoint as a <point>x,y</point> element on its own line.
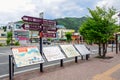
<point>19,33</point>
<point>61,32</point>
<point>3,36</point>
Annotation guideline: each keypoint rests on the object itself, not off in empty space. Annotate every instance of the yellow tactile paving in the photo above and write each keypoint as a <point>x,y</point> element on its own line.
<point>107,74</point>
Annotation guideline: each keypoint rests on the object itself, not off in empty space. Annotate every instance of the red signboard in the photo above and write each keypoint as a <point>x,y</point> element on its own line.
<point>46,28</point>
<point>32,19</point>
<point>34,27</point>
<point>53,35</point>
<point>50,23</point>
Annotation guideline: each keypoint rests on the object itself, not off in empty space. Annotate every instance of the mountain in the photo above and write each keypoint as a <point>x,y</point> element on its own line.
<point>71,22</point>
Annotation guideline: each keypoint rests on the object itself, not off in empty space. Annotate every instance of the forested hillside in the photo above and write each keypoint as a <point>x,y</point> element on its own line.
<point>71,23</point>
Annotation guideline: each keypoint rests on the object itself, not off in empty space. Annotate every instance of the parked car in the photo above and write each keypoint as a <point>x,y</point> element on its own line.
<point>46,42</point>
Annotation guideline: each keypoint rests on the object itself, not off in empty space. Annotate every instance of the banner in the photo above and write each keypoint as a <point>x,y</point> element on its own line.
<point>53,53</point>
<point>25,56</point>
<point>69,50</point>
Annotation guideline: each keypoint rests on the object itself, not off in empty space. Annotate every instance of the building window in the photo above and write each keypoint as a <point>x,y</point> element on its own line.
<point>3,35</point>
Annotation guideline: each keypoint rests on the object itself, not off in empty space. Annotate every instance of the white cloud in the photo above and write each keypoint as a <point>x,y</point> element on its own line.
<point>13,10</point>
<point>109,3</point>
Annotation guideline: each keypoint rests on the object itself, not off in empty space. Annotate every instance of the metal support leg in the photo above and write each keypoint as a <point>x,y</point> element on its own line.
<point>61,63</point>
<point>76,59</point>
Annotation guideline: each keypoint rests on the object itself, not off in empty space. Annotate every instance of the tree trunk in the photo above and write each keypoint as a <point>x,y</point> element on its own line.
<point>104,50</point>
<point>99,49</point>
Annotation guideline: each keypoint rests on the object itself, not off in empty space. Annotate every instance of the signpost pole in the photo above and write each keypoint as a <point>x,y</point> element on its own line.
<point>41,51</point>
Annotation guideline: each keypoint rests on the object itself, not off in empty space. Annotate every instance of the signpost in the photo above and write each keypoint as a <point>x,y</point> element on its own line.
<point>32,19</point>
<point>46,28</point>
<point>53,35</point>
<point>34,27</point>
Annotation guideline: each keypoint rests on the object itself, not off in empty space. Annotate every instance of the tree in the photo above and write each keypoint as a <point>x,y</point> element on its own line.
<point>99,27</point>
<point>68,36</point>
<point>9,38</point>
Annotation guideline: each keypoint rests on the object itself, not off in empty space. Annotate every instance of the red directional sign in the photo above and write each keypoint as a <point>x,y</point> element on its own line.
<point>35,27</point>
<point>32,19</point>
<point>46,28</point>
<point>50,23</point>
<point>53,35</point>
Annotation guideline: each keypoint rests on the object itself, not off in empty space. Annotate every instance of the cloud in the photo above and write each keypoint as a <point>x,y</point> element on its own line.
<point>13,10</point>
<point>109,3</point>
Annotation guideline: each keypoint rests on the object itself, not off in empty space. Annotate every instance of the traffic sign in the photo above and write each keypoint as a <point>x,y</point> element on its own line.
<point>32,19</point>
<point>34,27</point>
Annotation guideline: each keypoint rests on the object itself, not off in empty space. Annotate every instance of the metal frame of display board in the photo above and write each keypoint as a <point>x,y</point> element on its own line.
<point>87,55</point>
<point>11,67</point>
<point>76,57</point>
<point>61,60</point>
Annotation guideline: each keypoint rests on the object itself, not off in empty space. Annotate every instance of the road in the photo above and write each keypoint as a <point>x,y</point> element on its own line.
<point>6,51</point>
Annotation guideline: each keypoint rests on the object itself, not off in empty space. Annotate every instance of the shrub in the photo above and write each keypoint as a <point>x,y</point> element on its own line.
<point>17,43</point>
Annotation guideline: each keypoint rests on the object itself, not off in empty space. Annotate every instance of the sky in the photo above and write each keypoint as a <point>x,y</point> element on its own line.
<point>13,10</point>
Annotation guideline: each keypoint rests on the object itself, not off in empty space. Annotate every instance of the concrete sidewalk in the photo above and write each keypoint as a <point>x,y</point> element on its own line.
<point>93,69</point>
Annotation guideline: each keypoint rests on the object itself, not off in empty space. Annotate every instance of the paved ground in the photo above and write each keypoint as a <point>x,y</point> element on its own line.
<point>93,69</point>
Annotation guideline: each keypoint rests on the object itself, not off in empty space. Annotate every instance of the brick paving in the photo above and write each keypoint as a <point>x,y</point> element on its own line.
<point>83,70</point>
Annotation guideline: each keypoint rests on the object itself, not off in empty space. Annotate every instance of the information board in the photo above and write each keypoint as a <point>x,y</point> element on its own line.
<point>25,56</point>
<point>53,53</point>
<point>82,49</point>
<point>69,50</point>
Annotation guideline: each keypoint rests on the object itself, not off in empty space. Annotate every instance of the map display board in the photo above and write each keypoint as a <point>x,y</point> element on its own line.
<point>53,53</point>
<point>69,50</point>
<point>25,56</point>
<point>82,49</point>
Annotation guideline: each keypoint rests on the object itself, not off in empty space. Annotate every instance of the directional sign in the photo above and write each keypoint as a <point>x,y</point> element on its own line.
<point>47,28</point>
<point>53,35</point>
<point>50,23</point>
<point>34,27</point>
<point>32,19</point>
<point>37,24</point>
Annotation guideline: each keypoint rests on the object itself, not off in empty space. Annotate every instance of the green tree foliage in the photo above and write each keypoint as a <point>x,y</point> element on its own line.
<point>9,38</point>
<point>68,36</point>
<point>99,27</point>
